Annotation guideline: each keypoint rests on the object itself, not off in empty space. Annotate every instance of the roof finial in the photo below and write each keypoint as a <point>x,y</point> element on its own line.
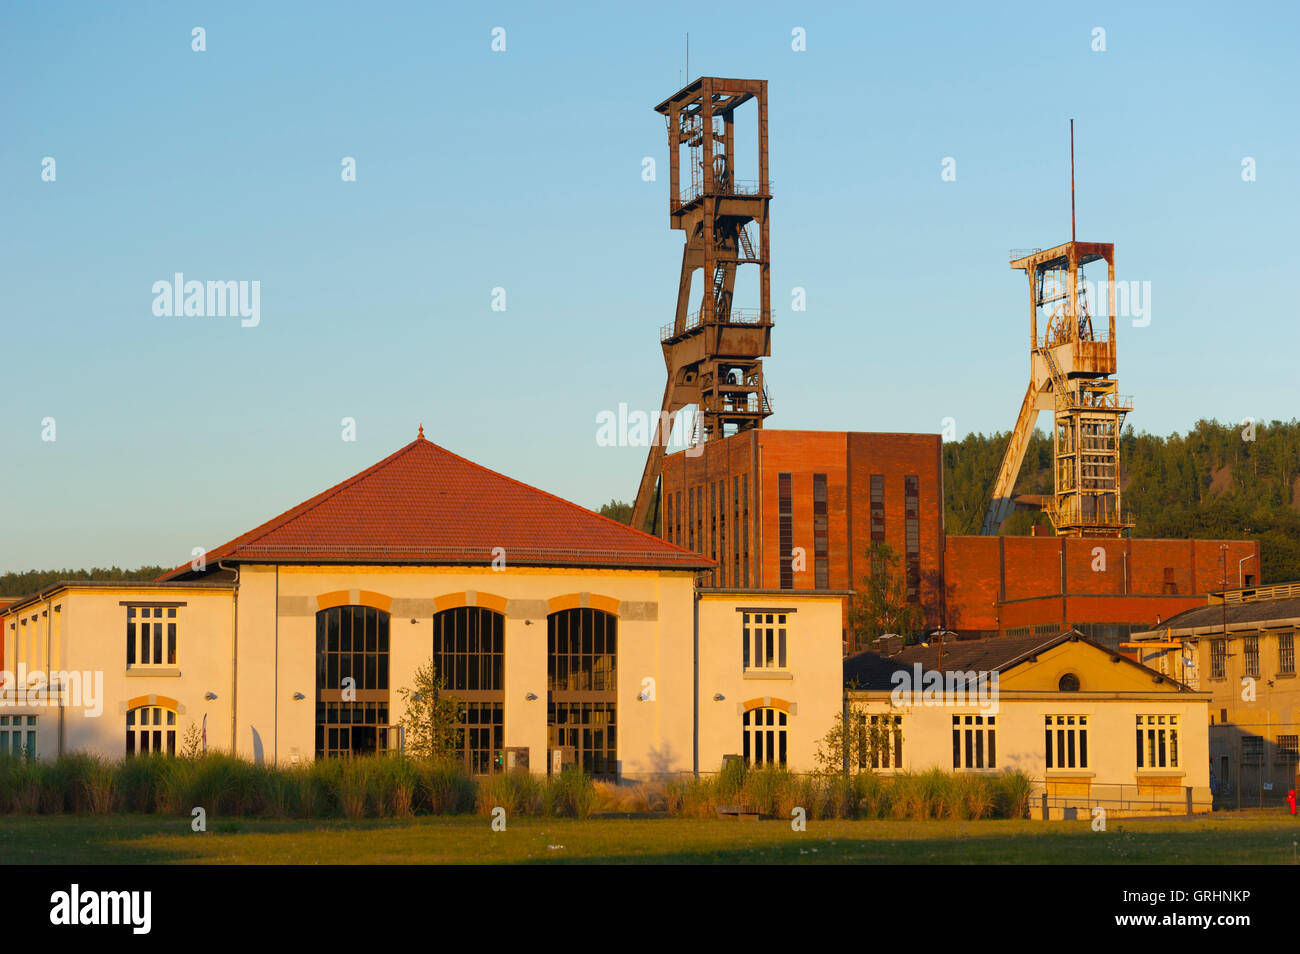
<point>420,436</point>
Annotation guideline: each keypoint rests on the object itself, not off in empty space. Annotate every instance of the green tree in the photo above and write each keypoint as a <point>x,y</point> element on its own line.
<point>617,510</point>
<point>432,717</point>
<point>880,604</point>
<point>855,744</point>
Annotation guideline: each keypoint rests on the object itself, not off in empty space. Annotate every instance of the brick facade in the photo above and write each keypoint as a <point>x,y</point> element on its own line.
<point>1002,584</point>
<point>747,470</point>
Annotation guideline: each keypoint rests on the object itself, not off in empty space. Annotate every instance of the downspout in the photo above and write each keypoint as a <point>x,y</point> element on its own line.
<point>275,744</point>
<point>234,662</point>
<point>49,647</point>
<point>695,651</point>
<point>758,512</point>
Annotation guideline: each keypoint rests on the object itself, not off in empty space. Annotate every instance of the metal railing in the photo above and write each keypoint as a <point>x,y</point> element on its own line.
<point>733,187</point>
<point>1250,594</point>
<point>1017,253</point>
<point>1041,343</point>
<point>1121,797</point>
<point>738,316</point>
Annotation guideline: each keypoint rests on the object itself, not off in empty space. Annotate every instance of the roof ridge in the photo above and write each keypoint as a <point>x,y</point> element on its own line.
<point>250,539</point>
<point>568,503</point>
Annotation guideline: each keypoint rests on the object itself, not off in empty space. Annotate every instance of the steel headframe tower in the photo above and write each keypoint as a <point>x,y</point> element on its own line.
<point>1070,368</point>
<point>713,354</point>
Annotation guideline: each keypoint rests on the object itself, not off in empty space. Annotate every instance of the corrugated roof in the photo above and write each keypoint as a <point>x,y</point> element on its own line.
<point>1238,615</point>
<point>424,504</point>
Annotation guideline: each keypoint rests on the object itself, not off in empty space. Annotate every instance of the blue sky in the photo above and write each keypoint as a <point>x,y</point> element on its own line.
<point>522,170</point>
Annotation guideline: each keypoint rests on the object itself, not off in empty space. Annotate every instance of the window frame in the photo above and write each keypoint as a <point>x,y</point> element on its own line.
<point>758,634</point>
<point>165,641</point>
<point>1066,734</point>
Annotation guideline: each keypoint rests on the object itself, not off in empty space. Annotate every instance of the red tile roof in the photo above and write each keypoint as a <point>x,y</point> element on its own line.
<point>424,504</point>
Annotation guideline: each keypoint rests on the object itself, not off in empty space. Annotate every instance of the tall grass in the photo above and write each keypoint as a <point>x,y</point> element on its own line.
<point>387,787</point>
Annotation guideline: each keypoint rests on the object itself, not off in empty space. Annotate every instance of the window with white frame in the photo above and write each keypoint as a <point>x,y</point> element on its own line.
<point>1157,741</point>
<point>763,640</point>
<point>765,736</point>
<point>880,741</point>
<point>18,735</point>
<point>1067,741</point>
<point>150,729</point>
<point>151,636</point>
<point>974,742</point>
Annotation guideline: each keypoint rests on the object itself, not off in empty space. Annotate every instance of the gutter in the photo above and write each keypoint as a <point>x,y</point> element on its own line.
<point>234,662</point>
<point>1246,627</point>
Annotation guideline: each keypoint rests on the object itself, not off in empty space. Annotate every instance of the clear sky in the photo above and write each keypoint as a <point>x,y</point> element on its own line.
<point>522,169</point>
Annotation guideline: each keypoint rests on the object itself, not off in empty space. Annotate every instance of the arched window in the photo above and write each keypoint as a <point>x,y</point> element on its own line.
<point>1069,683</point>
<point>765,736</point>
<point>469,657</point>
<point>351,681</point>
<point>583,687</point>
<point>150,729</point>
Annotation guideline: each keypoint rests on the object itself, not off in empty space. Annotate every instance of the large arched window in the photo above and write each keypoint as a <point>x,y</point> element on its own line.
<point>150,729</point>
<point>582,681</point>
<point>469,658</point>
<point>351,681</point>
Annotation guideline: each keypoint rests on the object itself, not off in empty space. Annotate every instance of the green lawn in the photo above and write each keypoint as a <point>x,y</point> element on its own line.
<point>1225,838</point>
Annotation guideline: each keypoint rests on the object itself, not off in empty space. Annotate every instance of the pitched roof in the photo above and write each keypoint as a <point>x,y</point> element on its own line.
<point>1204,620</point>
<point>872,671</point>
<point>424,504</point>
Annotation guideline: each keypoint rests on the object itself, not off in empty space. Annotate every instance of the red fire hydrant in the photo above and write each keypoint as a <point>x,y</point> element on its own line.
<point>1290,800</point>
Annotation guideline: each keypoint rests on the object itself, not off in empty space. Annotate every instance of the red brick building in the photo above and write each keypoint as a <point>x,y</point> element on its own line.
<point>1104,587</point>
<point>821,496</point>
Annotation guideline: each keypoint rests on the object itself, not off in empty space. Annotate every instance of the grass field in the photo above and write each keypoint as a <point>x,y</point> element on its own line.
<point>1225,838</point>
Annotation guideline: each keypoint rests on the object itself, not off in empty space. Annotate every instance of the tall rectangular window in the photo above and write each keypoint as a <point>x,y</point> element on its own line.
<point>1288,750</point>
<point>912,536</point>
<point>880,741</point>
<point>736,578</point>
<point>1251,653</point>
<point>151,636</point>
<point>713,526</point>
<point>877,508</point>
<point>974,742</point>
<point>699,519</point>
<point>677,520</point>
<point>821,533</point>
<point>1218,658</point>
<point>690,517</point>
<point>1157,741</point>
<point>722,533</point>
<point>785,530</point>
<point>1286,653</point>
<point>1067,741</point>
<point>763,640</point>
<point>744,522</point>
